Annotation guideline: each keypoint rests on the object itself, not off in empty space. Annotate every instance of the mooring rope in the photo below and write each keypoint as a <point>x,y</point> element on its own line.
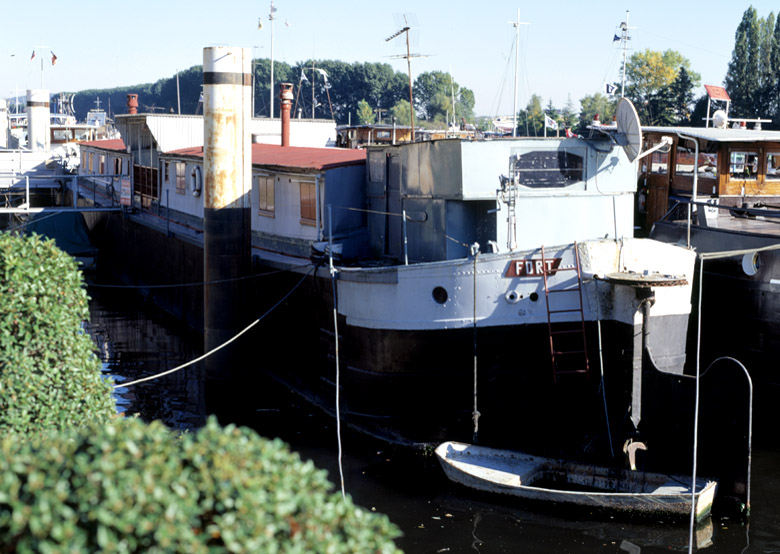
<point>221,346</point>
<point>475,414</point>
<point>199,283</point>
<point>601,368</point>
<point>333,272</point>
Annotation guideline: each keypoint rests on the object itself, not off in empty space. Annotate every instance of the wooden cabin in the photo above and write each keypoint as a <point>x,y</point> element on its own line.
<point>735,165</point>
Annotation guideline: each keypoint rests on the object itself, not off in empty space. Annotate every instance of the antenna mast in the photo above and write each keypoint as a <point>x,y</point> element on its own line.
<point>408,57</point>
<point>624,38</point>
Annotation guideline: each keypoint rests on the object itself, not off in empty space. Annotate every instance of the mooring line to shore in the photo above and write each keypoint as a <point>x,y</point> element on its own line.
<point>221,346</point>
<point>198,284</point>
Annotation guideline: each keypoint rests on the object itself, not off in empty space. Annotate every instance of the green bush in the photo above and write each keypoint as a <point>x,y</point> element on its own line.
<point>49,375</point>
<point>127,486</point>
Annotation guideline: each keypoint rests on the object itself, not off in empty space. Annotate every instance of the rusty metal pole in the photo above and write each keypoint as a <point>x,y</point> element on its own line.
<point>227,164</point>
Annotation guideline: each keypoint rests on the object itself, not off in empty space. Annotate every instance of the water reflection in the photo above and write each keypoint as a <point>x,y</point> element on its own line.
<point>135,340</point>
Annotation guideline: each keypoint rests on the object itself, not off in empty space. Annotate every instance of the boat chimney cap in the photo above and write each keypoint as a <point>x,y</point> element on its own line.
<point>596,121</point>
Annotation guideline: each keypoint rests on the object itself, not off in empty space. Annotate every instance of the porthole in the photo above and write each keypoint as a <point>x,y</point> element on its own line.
<point>751,262</point>
<point>440,295</point>
<point>513,297</point>
<point>534,297</point>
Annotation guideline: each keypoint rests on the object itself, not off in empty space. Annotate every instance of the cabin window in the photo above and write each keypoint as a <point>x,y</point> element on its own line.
<point>376,166</point>
<point>181,177</point>
<point>91,164</point>
<point>102,164</point>
<point>684,160</point>
<point>549,168</point>
<point>708,165</point>
<point>383,134</point>
<point>166,172</point>
<point>659,162</point>
<point>84,158</point>
<point>772,166</point>
<point>308,204</point>
<point>117,166</point>
<point>743,165</point>
<point>265,196</point>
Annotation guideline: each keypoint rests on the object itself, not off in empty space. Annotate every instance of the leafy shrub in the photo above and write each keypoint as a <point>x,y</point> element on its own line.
<point>49,374</point>
<point>127,486</point>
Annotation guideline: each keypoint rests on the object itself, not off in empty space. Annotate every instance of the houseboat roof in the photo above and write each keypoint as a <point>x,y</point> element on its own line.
<point>718,135</point>
<point>107,144</point>
<point>294,157</point>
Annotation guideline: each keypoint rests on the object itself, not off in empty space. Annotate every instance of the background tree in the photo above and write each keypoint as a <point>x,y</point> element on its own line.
<point>681,92</point>
<point>767,77</point>
<point>531,119</point>
<point>402,112</point>
<point>649,75</point>
<point>433,92</point>
<point>592,105</point>
<point>569,114</point>
<point>742,77</point>
<point>365,114</point>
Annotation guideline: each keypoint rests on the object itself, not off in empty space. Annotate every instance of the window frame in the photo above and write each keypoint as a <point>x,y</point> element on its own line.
<point>309,204</point>
<point>264,183</point>
<point>181,178</point>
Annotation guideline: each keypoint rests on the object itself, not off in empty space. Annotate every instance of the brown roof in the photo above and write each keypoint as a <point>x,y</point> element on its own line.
<point>294,156</point>
<point>108,144</point>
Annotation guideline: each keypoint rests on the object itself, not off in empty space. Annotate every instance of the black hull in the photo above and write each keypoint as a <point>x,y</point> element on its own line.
<point>740,313</point>
<point>416,388</point>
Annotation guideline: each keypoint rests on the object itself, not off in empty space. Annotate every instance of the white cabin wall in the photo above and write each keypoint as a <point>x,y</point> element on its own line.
<point>186,202</point>
<point>286,220</point>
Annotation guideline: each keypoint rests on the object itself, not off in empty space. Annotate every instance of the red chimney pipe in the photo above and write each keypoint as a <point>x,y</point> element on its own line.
<point>132,103</point>
<point>286,96</point>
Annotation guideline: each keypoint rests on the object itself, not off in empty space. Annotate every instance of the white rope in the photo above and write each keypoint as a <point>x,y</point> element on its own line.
<point>218,348</point>
<point>475,414</point>
<point>601,367</point>
<point>338,383</point>
<point>336,336</point>
<point>696,415</point>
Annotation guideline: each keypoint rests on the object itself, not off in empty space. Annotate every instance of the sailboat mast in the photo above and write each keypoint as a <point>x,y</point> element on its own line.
<point>516,24</point>
<point>271,17</point>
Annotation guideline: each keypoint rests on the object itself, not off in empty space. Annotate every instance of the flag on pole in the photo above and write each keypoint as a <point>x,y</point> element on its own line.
<point>33,55</point>
<point>323,73</point>
<point>609,89</point>
<point>53,58</point>
<point>303,77</point>
<point>550,123</point>
<point>617,38</point>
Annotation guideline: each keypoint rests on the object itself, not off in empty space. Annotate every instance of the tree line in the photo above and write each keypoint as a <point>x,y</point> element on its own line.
<point>347,92</point>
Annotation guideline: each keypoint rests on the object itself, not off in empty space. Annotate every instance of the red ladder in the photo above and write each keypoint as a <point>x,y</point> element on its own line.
<point>568,346</point>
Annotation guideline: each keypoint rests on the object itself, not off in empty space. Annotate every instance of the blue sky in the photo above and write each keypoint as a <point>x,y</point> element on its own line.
<point>565,50</point>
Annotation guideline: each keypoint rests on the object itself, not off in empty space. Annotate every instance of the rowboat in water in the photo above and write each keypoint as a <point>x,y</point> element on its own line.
<point>577,484</point>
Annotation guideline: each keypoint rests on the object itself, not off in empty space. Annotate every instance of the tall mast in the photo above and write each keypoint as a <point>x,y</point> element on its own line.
<point>624,38</point>
<point>516,25</point>
<point>271,17</point>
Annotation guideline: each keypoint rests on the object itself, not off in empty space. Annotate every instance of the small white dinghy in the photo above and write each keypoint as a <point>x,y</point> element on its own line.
<point>559,481</point>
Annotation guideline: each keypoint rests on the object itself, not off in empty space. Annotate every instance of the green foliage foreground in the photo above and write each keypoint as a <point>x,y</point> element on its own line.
<point>131,487</point>
<point>50,377</point>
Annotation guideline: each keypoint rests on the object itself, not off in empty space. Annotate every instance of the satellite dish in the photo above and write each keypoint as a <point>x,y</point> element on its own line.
<point>628,125</point>
<point>720,120</point>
